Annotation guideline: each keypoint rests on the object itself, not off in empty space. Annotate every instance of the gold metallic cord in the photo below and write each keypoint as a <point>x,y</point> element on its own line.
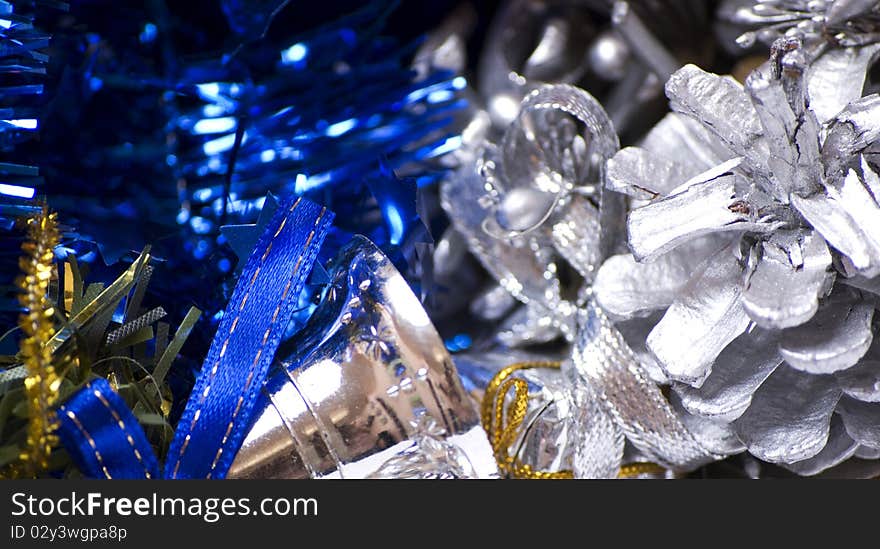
<point>503,433</point>
<point>633,470</point>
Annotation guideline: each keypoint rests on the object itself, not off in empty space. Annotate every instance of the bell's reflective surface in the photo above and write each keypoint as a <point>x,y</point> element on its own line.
<point>367,368</point>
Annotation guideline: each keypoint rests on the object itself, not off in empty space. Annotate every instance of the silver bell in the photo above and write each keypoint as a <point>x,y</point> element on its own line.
<point>367,369</point>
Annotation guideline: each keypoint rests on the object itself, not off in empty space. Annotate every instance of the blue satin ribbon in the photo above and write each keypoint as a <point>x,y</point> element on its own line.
<point>219,409</point>
<point>212,426</point>
<point>103,437</point>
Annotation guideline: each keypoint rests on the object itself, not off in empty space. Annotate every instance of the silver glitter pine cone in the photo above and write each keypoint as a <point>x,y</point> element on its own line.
<point>755,237</point>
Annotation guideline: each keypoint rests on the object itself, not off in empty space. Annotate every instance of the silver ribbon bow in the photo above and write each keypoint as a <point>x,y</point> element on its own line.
<point>625,401</point>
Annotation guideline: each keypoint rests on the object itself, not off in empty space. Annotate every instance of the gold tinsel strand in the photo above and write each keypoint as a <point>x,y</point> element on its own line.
<point>42,382</point>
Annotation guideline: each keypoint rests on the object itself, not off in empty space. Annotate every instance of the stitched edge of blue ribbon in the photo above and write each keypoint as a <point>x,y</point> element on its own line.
<point>96,418</point>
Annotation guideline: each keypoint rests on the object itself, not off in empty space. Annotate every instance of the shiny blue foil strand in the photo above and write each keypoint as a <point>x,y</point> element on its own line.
<point>23,64</point>
<point>340,93</point>
<point>319,109</point>
<point>251,18</point>
<point>23,67</point>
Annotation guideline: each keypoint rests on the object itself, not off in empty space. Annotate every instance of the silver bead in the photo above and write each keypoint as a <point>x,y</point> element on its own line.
<point>609,56</point>
<point>524,208</point>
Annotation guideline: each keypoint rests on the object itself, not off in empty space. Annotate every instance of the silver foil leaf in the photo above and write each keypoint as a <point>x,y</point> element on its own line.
<point>862,420</point>
<point>738,371</point>
<point>863,452</point>
<point>707,204</point>
<point>840,447</point>
<point>862,381</point>
<point>704,319</point>
<point>850,132</point>
<point>641,174</point>
<point>621,288</point>
<point>627,288</point>
<point>849,219</point>
<point>790,276</point>
<point>871,285</point>
<point>720,104</point>
<point>835,339</point>
<point>790,416</point>
<point>856,196</point>
<point>791,131</point>
<point>871,180</point>
<point>837,77</point>
<point>686,142</point>
<point>715,435</point>
<point>603,361</point>
<point>853,469</point>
